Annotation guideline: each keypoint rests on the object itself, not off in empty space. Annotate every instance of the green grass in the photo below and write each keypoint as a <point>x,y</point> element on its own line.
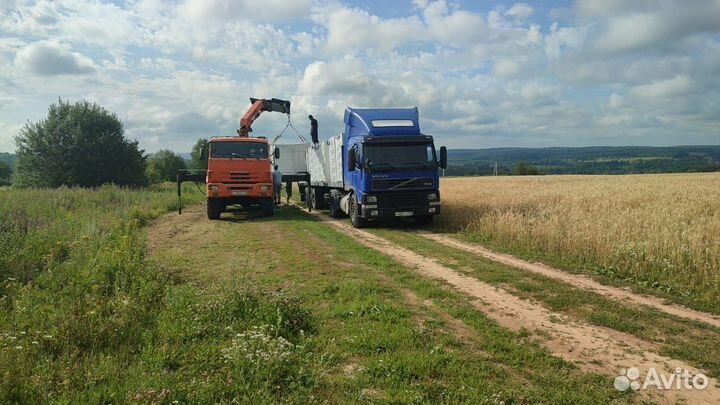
<point>379,346</point>
<point>678,338</point>
<point>85,319</point>
<point>269,310</point>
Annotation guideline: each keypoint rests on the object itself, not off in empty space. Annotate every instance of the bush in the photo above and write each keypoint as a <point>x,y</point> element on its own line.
<point>79,144</point>
<point>5,173</point>
<point>163,166</point>
<point>199,159</point>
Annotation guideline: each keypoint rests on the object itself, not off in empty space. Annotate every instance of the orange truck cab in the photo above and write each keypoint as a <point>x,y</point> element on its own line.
<point>239,167</point>
<point>239,173</point>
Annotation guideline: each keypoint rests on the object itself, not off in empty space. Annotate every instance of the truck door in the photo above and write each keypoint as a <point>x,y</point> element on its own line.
<point>356,175</point>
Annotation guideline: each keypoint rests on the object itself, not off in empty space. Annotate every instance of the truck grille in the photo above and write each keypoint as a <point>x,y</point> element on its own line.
<point>243,178</point>
<point>400,184</point>
<point>403,200</point>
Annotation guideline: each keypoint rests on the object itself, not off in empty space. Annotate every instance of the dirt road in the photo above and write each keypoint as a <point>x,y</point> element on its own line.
<point>576,280</point>
<point>592,348</point>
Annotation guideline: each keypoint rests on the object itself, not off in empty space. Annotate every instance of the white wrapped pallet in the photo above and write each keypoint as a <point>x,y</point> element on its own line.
<point>316,166</point>
<point>335,160</point>
<point>324,163</point>
<point>292,158</point>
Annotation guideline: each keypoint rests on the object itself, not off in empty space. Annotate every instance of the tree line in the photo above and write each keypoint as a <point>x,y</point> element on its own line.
<point>83,144</point>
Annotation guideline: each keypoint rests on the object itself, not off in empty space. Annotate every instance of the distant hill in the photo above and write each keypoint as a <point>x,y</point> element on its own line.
<point>8,158</point>
<point>562,160</point>
<point>586,160</point>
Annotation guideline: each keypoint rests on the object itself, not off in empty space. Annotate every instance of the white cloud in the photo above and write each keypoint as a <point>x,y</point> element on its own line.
<point>208,12</point>
<point>607,71</point>
<point>506,68</point>
<point>677,86</point>
<point>537,91</point>
<point>520,10</point>
<point>345,77</point>
<point>534,35</point>
<point>561,39</point>
<point>52,58</point>
<point>456,28</point>
<point>656,27</point>
<point>351,27</point>
<point>615,101</point>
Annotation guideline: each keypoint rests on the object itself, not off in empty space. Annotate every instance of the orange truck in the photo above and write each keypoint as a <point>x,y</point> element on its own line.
<point>239,167</point>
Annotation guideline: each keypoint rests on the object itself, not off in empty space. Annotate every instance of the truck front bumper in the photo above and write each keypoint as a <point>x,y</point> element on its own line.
<point>239,191</point>
<point>370,211</point>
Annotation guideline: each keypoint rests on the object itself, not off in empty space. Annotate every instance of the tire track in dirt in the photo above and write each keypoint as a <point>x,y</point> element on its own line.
<point>592,348</point>
<point>576,280</point>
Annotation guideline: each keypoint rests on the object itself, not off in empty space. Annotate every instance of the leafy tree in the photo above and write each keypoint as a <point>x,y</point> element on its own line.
<point>163,166</point>
<point>5,173</point>
<point>198,160</point>
<point>79,144</point>
<point>522,169</point>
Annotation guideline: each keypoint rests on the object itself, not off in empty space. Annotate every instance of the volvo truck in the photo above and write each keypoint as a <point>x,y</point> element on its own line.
<point>381,166</point>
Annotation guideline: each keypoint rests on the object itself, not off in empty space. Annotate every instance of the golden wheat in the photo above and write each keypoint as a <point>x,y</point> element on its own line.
<point>662,231</point>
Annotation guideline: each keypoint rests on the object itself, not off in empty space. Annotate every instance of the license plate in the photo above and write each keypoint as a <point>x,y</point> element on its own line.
<point>239,193</point>
<point>404,214</point>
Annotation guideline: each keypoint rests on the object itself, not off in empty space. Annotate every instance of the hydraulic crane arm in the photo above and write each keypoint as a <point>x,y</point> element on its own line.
<point>258,107</point>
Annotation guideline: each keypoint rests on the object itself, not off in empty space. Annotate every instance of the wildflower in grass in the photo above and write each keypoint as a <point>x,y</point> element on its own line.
<point>258,345</point>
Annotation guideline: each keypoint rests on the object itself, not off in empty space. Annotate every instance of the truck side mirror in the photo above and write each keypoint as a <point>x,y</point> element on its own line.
<point>351,160</point>
<point>276,153</point>
<point>443,157</point>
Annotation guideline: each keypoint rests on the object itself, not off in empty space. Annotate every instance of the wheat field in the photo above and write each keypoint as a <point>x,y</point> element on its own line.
<point>661,232</point>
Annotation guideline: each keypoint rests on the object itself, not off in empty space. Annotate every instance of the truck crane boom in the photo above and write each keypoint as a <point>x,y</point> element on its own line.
<point>258,107</point>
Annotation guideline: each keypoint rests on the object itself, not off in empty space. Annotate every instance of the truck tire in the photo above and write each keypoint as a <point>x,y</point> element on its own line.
<point>335,211</point>
<point>424,220</point>
<point>308,199</point>
<point>214,209</point>
<point>316,197</point>
<point>355,218</point>
<point>268,209</point>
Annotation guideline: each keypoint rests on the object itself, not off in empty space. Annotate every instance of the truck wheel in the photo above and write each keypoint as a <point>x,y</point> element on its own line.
<point>268,209</point>
<point>355,218</point>
<point>213,209</point>
<point>335,211</point>
<point>424,220</point>
<point>308,198</point>
<point>317,200</point>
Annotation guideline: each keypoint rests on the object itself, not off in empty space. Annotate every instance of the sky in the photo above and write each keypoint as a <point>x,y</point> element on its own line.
<point>483,73</point>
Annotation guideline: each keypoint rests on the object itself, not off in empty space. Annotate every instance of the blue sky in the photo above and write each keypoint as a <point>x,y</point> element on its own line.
<point>483,73</point>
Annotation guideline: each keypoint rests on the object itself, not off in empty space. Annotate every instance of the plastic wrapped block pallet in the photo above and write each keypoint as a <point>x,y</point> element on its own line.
<point>324,163</point>
<point>292,158</point>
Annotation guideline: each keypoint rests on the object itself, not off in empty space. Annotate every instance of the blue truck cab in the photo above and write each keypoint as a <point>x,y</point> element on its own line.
<point>390,168</point>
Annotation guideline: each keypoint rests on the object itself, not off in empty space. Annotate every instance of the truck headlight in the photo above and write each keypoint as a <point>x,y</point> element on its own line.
<point>432,196</point>
<point>214,188</point>
<point>371,198</point>
<point>264,188</point>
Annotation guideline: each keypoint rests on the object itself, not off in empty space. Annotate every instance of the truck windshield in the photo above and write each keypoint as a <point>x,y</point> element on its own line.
<point>255,150</point>
<point>400,157</point>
